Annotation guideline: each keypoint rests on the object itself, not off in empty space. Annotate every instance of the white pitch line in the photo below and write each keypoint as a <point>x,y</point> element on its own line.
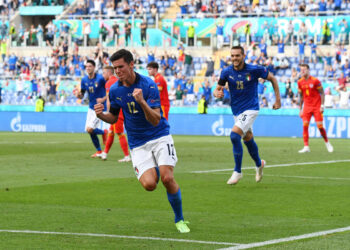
<point>272,166</point>
<point>307,177</point>
<point>292,238</point>
<point>119,236</point>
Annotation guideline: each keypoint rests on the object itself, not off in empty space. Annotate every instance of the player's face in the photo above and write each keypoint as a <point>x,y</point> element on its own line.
<point>151,71</point>
<point>304,71</point>
<point>237,57</point>
<point>90,69</point>
<point>122,69</point>
<point>106,74</point>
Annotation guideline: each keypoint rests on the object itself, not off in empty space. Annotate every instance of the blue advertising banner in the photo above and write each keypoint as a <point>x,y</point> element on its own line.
<point>181,124</point>
<point>207,26</point>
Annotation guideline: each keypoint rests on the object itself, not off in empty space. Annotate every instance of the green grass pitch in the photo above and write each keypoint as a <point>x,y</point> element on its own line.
<point>49,183</point>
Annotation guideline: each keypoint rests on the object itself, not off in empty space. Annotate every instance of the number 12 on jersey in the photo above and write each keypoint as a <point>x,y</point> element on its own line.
<point>132,108</point>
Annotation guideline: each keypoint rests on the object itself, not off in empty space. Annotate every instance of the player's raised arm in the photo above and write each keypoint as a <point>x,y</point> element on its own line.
<point>106,117</point>
<point>276,89</point>
<point>151,115</point>
<point>219,90</point>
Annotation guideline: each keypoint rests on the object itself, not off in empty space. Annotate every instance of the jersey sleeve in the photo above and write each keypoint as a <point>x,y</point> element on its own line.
<point>102,82</point>
<point>261,72</point>
<point>223,78</point>
<point>318,84</point>
<point>153,99</point>
<point>82,84</point>
<point>114,106</point>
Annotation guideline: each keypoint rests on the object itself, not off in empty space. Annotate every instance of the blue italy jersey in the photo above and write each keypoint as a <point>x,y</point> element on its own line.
<point>243,85</point>
<point>95,87</point>
<point>139,130</point>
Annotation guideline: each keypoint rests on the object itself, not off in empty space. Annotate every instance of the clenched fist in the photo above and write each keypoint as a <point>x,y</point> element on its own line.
<point>99,107</point>
<point>138,95</point>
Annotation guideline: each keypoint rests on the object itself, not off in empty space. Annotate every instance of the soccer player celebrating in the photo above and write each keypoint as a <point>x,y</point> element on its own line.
<point>95,85</point>
<point>118,128</point>
<point>152,68</point>
<point>147,130</point>
<point>242,81</point>
<point>311,104</point>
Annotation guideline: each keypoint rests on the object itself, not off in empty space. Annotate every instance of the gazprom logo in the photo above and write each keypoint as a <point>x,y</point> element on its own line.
<point>218,127</point>
<point>18,126</point>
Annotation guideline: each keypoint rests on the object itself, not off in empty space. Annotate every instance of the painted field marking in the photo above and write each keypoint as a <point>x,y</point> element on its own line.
<point>307,177</point>
<point>272,166</point>
<point>288,239</point>
<point>120,236</point>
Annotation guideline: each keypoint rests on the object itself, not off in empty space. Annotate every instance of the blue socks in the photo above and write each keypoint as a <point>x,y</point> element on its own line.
<point>237,150</point>
<point>253,151</point>
<point>176,203</point>
<point>98,131</point>
<point>95,141</point>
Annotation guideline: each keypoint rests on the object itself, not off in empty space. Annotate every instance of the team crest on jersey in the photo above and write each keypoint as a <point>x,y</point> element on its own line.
<point>248,77</point>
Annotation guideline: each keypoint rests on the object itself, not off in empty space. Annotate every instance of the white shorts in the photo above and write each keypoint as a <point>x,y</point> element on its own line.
<point>245,120</point>
<point>158,152</point>
<point>91,120</point>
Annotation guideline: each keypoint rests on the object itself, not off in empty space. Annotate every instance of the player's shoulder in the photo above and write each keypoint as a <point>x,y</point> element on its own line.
<point>85,78</point>
<point>145,80</point>
<point>314,79</point>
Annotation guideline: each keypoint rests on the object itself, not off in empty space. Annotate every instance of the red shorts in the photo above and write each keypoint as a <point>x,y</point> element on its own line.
<point>118,127</point>
<point>165,110</point>
<point>307,113</point>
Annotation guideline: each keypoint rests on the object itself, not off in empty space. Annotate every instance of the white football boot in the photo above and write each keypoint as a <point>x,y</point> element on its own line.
<point>329,147</point>
<point>306,149</point>
<point>234,178</point>
<point>104,156</point>
<point>125,159</point>
<point>259,171</point>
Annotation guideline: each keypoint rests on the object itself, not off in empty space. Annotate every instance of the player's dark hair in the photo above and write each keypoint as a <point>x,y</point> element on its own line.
<point>122,53</point>
<point>92,62</point>
<point>238,47</point>
<point>304,65</point>
<point>153,65</point>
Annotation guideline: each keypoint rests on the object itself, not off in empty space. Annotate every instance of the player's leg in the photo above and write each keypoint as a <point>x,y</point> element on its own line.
<point>254,154</point>
<point>319,122</point>
<point>243,124</point>
<point>92,122</point>
<point>109,142</point>
<point>119,129</point>
<point>165,110</point>
<point>306,121</point>
<point>165,155</point>
<point>236,135</point>
<point>144,166</point>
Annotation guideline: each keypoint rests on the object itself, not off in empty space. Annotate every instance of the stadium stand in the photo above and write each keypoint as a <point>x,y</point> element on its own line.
<point>54,49</point>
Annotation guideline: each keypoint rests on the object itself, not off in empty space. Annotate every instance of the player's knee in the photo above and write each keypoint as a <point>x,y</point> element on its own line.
<point>89,130</point>
<point>248,136</point>
<point>235,137</point>
<point>167,179</point>
<point>149,185</point>
<point>319,125</point>
<point>305,124</point>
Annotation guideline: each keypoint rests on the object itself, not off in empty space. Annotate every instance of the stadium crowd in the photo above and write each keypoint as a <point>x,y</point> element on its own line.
<point>58,74</point>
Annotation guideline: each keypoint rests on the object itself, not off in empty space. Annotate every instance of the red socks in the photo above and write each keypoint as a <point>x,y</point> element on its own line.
<point>306,135</point>
<point>110,140</point>
<point>324,134</point>
<point>124,144</point>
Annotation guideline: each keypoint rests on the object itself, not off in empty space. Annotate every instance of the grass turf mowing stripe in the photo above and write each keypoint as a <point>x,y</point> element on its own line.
<point>273,166</point>
<point>292,238</point>
<point>119,236</point>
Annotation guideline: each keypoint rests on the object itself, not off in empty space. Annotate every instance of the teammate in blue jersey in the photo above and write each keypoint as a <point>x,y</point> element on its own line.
<point>94,84</point>
<point>152,147</point>
<point>242,81</point>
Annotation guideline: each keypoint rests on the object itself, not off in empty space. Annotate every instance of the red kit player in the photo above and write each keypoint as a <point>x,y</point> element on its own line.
<point>311,104</point>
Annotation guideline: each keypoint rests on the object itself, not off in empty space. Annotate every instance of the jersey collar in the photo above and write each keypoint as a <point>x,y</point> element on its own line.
<point>137,79</point>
